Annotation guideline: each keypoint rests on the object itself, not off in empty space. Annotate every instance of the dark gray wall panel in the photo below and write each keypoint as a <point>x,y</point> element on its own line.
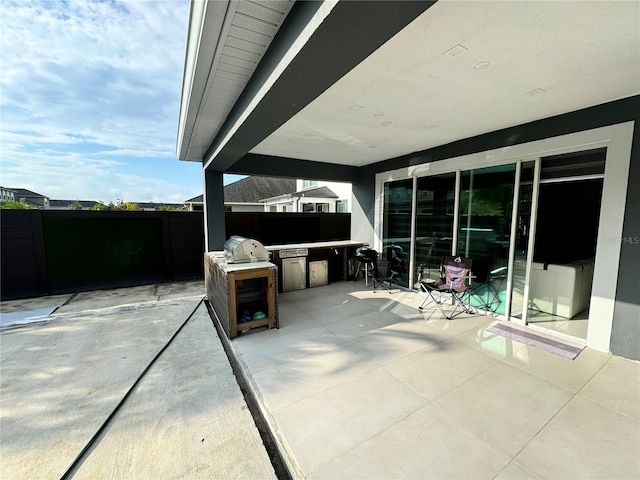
<point>215,234</point>
<point>598,116</point>
<point>625,335</point>
<point>292,168</point>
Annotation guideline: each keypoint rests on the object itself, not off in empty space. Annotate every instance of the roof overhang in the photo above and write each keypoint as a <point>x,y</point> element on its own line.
<point>226,41</point>
<point>352,83</point>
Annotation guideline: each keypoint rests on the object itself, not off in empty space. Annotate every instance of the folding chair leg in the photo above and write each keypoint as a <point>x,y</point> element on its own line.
<point>430,298</point>
<point>378,283</point>
<point>458,303</point>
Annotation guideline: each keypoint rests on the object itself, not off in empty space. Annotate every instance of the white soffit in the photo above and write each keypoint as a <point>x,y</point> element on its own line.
<point>232,38</point>
<point>466,68</point>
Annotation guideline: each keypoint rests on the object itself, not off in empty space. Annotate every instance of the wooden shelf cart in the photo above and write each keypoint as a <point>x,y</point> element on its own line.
<point>233,289</point>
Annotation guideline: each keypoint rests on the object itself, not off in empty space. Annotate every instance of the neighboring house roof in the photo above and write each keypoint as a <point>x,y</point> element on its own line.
<point>319,192</point>
<point>23,192</point>
<point>254,189</point>
<point>29,196</point>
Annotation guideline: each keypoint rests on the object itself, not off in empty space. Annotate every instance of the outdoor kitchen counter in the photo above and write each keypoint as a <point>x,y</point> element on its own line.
<point>336,253</point>
<point>310,245</point>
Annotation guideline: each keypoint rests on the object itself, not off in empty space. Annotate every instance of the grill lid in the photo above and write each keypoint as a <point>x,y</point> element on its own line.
<point>244,250</point>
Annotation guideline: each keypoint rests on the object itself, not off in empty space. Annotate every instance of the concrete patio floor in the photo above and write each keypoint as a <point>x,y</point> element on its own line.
<point>122,384</point>
<point>134,383</point>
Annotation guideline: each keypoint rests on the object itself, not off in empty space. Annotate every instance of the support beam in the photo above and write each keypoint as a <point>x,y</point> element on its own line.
<point>253,164</point>
<point>214,226</point>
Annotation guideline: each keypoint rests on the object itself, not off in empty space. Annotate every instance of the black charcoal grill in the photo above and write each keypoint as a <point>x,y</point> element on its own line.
<point>368,260</point>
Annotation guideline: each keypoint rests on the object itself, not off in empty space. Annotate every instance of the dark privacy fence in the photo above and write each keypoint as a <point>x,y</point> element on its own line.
<point>286,228</point>
<point>46,252</point>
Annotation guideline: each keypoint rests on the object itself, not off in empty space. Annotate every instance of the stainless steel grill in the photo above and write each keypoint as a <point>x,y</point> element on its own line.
<point>244,250</point>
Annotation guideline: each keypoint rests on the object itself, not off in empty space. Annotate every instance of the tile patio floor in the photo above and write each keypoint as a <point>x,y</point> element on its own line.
<point>359,384</point>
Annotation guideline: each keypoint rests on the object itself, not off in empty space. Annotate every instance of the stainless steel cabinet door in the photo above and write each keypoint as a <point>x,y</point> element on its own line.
<point>294,274</point>
<point>318,273</point>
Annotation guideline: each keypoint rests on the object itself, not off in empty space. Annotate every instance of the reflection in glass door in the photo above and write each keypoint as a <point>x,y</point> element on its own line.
<point>485,211</point>
<point>396,240</point>
<point>435,205</point>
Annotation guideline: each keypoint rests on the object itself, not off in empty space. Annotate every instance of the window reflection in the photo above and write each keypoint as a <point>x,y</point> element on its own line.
<point>397,224</point>
<point>484,227</point>
<point>434,219</point>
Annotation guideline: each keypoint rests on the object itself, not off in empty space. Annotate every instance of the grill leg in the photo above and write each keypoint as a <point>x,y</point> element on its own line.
<point>366,274</point>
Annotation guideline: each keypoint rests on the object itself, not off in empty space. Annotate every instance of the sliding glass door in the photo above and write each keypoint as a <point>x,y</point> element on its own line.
<point>488,215</point>
<point>396,238</point>
<point>548,212</point>
<point>486,199</point>
<point>435,206</point>
<point>469,213</point>
<point>566,235</point>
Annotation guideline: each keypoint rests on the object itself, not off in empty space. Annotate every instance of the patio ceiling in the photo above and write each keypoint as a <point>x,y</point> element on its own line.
<point>354,83</point>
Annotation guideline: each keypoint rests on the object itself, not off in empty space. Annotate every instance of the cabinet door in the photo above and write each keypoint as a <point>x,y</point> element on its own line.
<point>294,274</point>
<point>318,273</point>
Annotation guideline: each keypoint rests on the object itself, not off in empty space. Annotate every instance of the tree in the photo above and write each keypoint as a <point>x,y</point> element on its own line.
<point>127,206</point>
<point>12,205</point>
<point>120,206</point>
<point>101,206</point>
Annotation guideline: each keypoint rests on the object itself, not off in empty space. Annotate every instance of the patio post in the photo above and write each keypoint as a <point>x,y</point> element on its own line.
<point>214,215</point>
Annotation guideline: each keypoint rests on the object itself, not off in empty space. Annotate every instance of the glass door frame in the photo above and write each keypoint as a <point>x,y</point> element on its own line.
<point>617,139</point>
<point>530,243</point>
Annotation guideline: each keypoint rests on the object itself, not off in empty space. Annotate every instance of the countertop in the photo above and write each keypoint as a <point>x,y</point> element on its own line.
<point>334,244</point>
<point>221,260</point>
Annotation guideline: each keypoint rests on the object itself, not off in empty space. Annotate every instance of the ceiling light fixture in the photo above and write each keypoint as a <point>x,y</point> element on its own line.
<point>481,65</point>
<point>535,91</point>
<point>456,50</point>
<point>386,124</point>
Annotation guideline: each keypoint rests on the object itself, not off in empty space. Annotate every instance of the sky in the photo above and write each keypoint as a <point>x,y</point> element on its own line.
<point>90,97</point>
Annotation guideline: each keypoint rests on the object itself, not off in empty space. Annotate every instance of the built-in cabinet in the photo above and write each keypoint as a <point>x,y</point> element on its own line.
<point>305,265</point>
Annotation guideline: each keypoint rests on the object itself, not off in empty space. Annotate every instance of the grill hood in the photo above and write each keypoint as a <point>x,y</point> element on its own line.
<point>244,250</point>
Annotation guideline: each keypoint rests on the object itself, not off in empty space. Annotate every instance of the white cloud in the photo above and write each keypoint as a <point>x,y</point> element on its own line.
<point>73,176</point>
<point>90,81</point>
